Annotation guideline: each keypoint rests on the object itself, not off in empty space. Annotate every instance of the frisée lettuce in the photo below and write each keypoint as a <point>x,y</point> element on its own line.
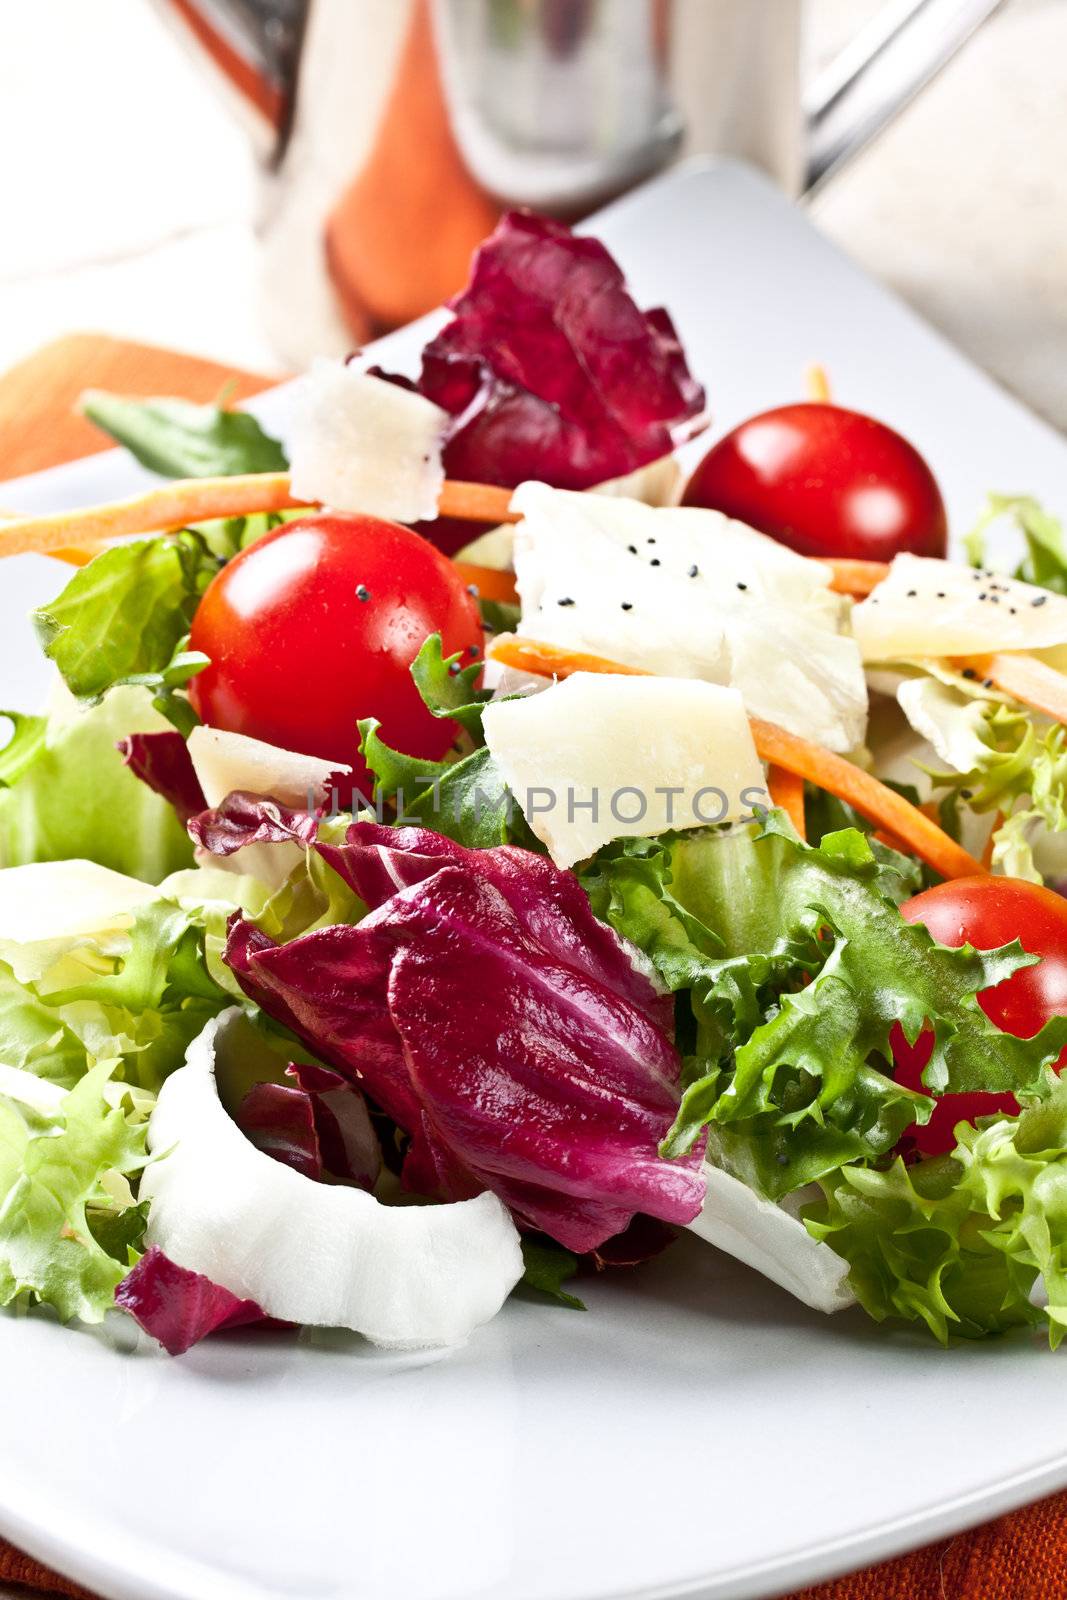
<point>961,1241</point>
<point>794,984</point>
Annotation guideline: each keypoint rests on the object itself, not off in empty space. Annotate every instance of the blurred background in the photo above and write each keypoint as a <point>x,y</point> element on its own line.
<point>256,181</point>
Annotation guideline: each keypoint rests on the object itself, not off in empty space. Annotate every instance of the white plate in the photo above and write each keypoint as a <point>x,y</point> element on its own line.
<point>696,1432</point>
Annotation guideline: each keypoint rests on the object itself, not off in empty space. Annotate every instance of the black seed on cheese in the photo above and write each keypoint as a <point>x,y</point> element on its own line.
<point>627,605</point>
<point>566,601</point>
<point>654,562</point>
<point>969,672</point>
<point>1040,600</point>
<point>742,585</point>
<point>632,549</point>
<point>694,570</point>
<point>912,593</point>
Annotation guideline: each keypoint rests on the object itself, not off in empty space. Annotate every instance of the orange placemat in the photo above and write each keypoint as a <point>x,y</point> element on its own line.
<point>1018,1557</point>
<point>38,424</point>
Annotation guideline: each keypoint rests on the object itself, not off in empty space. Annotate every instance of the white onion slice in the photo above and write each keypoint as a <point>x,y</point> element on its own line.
<point>766,1237</point>
<point>407,1277</point>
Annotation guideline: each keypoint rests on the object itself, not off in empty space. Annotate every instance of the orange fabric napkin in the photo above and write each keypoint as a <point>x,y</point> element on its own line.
<point>1018,1557</point>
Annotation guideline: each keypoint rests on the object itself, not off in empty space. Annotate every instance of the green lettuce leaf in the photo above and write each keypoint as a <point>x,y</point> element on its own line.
<point>958,1242</point>
<point>65,793</point>
<point>125,618</point>
<point>464,796</point>
<point>137,998</point>
<point>796,964</point>
<point>547,1267</point>
<point>182,440</point>
<point>448,688</point>
<point>1009,766</point>
<point>1045,558</point>
<point>66,1231</point>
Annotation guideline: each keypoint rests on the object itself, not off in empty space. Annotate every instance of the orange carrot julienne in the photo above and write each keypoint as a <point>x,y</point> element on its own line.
<point>76,535</point>
<point>552,660</point>
<point>187,500</point>
<point>489,582</point>
<point>475,502</point>
<point>774,745</point>
<point>173,505</point>
<point>990,844</point>
<point>787,793</point>
<point>817,384</point>
<point>857,578</point>
<point>1030,681</point>
<point>873,800</point>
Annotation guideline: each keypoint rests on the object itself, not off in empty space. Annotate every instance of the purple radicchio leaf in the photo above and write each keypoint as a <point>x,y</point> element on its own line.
<point>515,1056</point>
<point>244,819</point>
<point>179,1307</point>
<point>162,761</point>
<point>549,369</point>
<point>318,1125</point>
<point>376,861</point>
<point>280,1121</point>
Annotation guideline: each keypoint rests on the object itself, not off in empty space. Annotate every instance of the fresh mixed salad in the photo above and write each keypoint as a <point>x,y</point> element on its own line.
<point>464,849</point>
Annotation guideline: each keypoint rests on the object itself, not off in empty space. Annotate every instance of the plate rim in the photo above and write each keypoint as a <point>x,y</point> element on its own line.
<point>32,1528</point>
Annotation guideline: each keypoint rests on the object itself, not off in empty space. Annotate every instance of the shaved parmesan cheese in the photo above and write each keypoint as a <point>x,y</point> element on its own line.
<point>597,758</point>
<point>939,608</point>
<point>225,762</point>
<point>690,593</point>
<point>61,899</point>
<point>361,444</point>
<point>323,1255</point>
<point>765,1236</point>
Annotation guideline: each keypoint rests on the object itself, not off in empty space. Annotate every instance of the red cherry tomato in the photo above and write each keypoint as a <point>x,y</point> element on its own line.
<point>987,912</point>
<point>826,482</point>
<point>316,625</point>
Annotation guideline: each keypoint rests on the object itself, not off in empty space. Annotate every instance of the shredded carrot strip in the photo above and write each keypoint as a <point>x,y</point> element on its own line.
<point>475,502</point>
<point>774,745</point>
<point>173,505</point>
<point>787,792</point>
<point>186,500</point>
<point>818,384</point>
<point>987,853</point>
<point>1033,683</point>
<point>75,536</point>
<point>856,578</point>
<point>78,557</point>
<point>488,582</point>
<point>552,661</point>
<point>873,800</point>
